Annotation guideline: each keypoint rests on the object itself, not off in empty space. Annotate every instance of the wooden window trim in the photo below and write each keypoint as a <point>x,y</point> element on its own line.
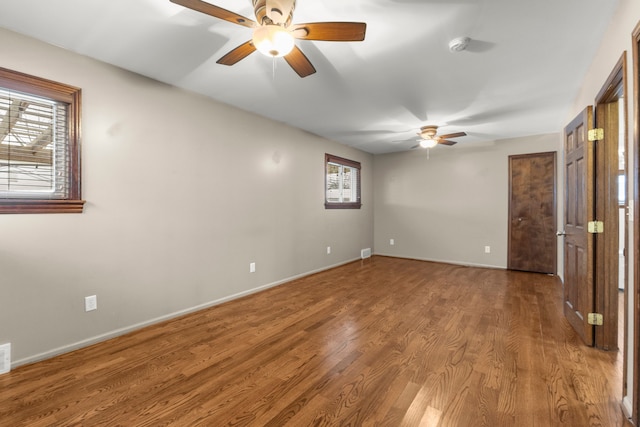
<point>32,85</point>
<point>330,158</point>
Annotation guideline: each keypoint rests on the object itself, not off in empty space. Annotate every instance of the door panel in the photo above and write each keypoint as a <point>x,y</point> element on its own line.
<point>532,208</point>
<point>578,243</point>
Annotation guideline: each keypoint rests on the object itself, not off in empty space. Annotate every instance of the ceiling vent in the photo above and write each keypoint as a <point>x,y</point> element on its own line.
<point>459,44</point>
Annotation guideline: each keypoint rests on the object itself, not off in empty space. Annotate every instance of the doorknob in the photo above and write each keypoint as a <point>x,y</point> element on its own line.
<point>561,233</point>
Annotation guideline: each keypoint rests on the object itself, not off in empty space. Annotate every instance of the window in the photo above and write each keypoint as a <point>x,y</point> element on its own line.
<point>39,145</point>
<point>342,183</point>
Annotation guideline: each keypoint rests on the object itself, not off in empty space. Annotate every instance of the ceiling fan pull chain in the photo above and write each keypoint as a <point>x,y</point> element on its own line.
<point>273,77</point>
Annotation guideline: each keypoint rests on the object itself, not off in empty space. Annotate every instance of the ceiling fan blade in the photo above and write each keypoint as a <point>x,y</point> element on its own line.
<point>446,142</point>
<point>299,62</point>
<point>453,135</point>
<point>238,53</point>
<point>330,31</point>
<point>217,12</point>
<point>415,146</point>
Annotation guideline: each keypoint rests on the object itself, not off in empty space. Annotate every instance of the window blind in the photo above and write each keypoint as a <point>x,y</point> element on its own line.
<point>34,153</point>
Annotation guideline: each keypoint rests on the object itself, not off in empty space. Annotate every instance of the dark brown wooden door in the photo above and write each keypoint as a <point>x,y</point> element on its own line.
<point>578,211</point>
<point>532,213</point>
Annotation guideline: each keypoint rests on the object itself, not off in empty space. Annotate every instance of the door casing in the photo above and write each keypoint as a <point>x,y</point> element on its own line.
<point>607,205</point>
<point>635,204</point>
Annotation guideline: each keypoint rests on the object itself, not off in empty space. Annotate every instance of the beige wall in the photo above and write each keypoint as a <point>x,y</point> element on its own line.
<point>182,194</point>
<point>450,206</point>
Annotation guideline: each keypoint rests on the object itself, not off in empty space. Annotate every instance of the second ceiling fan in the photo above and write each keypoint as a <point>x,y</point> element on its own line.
<point>273,33</point>
<point>430,137</point>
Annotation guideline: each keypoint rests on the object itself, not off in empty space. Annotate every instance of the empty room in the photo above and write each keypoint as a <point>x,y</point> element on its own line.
<point>305,213</point>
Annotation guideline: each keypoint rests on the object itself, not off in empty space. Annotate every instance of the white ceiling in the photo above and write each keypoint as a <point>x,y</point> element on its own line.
<point>518,76</point>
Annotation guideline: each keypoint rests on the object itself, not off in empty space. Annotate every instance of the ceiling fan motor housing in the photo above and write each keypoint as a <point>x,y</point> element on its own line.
<point>279,12</point>
<point>428,132</point>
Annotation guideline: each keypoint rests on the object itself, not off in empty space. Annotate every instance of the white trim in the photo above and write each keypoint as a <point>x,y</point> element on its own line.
<point>464,264</point>
<point>627,407</point>
<point>122,331</point>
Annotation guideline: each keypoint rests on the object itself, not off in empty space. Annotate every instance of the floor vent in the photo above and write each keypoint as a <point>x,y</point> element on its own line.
<point>5,358</point>
<point>365,253</point>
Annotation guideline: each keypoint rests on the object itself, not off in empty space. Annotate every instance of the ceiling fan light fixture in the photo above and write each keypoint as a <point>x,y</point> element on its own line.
<point>273,40</point>
<point>428,143</point>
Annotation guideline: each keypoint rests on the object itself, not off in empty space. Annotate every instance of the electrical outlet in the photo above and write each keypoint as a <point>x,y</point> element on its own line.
<point>328,250</point>
<point>392,242</point>
<point>487,249</point>
<point>90,303</point>
<point>252,267</point>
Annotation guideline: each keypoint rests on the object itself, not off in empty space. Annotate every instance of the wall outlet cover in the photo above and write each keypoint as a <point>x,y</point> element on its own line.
<point>90,303</point>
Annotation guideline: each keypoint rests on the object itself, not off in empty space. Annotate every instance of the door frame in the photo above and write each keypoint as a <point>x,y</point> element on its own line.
<point>606,203</point>
<point>634,204</point>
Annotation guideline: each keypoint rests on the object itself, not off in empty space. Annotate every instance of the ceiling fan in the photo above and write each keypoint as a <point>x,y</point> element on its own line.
<point>430,137</point>
<point>273,33</point>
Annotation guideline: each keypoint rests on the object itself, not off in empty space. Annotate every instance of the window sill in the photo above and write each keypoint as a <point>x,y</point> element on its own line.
<point>19,206</point>
<point>342,205</point>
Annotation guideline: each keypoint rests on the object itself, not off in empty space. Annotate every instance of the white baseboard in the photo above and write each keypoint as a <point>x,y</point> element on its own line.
<point>443,261</point>
<point>627,406</point>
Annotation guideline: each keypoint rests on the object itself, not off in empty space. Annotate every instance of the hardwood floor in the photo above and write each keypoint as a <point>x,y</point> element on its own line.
<point>379,342</point>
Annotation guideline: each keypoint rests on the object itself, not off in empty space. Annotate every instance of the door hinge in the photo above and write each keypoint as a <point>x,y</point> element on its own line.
<point>595,227</point>
<point>595,319</point>
<point>596,134</point>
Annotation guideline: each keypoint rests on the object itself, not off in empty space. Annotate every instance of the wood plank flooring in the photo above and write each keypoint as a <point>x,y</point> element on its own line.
<point>379,342</point>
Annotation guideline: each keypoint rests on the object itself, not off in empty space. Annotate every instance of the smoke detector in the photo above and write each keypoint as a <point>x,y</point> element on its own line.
<point>459,44</point>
